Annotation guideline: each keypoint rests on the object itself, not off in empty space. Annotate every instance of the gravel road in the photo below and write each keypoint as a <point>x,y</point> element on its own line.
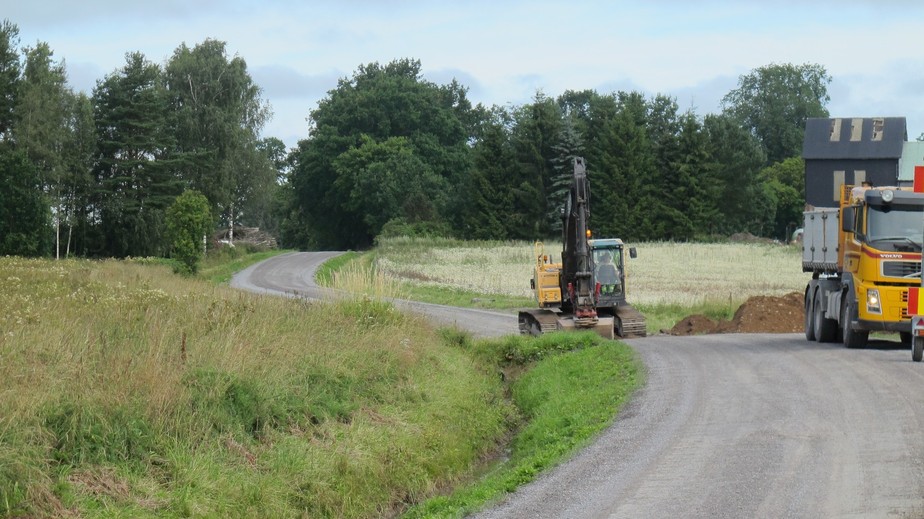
<point>736,425</point>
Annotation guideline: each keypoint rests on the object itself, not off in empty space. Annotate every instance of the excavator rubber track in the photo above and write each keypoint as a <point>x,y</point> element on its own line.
<point>539,321</point>
<point>630,323</point>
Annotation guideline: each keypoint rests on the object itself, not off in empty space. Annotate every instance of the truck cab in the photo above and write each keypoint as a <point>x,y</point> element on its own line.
<point>883,231</point>
<point>864,257</point>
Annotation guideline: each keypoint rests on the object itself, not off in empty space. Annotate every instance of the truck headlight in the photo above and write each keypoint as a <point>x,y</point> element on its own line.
<point>872,301</point>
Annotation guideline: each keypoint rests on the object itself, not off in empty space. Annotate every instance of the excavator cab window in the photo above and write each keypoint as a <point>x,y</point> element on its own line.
<point>608,270</point>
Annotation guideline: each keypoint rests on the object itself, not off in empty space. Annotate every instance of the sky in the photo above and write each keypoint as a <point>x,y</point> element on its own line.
<point>504,52</point>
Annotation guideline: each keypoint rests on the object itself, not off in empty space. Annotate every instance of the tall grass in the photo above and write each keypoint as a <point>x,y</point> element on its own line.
<point>126,390</point>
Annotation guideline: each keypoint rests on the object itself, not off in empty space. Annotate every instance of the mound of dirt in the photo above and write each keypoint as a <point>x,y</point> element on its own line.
<point>759,314</point>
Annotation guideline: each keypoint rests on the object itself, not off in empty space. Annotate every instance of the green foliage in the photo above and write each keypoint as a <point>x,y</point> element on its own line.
<point>784,181</point>
<point>218,115</point>
<point>387,180</point>
<point>741,201</point>
<point>773,102</point>
<point>188,222</point>
<point>10,69</point>
<point>385,144</point>
<point>24,214</point>
<point>420,229</point>
<point>134,172</point>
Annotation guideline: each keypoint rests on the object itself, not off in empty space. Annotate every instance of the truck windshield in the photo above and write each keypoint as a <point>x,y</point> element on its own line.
<point>895,227</point>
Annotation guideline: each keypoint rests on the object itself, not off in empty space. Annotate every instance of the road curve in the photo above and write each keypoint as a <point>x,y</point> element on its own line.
<point>755,425</point>
<point>292,275</point>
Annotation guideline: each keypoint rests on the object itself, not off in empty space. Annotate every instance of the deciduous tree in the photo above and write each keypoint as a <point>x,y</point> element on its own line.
<point>218,115</point>
<point>773,102</point>
<point>376,104</point>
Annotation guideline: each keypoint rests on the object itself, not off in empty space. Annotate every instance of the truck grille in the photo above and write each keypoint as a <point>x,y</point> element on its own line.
<point>901,269</point>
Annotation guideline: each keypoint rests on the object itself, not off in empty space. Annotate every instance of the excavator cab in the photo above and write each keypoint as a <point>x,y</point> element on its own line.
<point>609,270</point>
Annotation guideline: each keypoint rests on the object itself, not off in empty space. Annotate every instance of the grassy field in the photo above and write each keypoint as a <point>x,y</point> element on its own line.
<point>666,282</point>
<point>129,391</point>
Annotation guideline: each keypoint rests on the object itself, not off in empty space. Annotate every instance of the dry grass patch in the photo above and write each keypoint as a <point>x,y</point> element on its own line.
<point>685,274</point>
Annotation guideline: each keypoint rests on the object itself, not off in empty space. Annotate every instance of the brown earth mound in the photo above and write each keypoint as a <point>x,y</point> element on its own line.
<point>759,314</point>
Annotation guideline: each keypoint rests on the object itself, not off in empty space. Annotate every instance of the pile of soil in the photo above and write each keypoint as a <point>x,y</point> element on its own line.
<point>759,314</point>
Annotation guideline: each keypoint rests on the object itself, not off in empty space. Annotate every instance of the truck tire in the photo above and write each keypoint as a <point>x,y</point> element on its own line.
<point>825,329</point>
<point>917,349</point>
<point>852,338</point>
<point>809,317</point>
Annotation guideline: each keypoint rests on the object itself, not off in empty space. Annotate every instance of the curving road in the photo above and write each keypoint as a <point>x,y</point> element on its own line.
<point>755,425</point>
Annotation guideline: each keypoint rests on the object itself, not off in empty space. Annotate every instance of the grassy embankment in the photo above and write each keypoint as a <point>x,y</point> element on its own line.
<point>667,282</point>
<point>129,391</point>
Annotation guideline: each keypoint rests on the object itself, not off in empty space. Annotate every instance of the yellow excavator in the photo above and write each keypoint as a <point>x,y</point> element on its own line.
<point>587,289</point>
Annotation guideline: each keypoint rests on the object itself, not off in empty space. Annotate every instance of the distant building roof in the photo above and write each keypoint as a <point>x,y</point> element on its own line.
<point>854,138</point>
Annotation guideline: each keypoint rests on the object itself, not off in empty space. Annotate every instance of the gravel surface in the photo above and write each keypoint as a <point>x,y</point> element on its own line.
<point>732,425</point>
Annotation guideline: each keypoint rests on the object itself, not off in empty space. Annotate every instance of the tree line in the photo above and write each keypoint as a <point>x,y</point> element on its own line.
<point>388,152</point>
<point>94,175</point>
<point>392,153</point>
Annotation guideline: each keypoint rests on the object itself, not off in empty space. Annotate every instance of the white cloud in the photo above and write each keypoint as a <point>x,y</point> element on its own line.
<point>506,51</point>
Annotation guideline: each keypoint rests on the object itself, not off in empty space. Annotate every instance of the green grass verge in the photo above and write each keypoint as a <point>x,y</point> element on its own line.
<point>220,266</point>
<point>324,276</point>
<point>571,387</point>
<point>664,317</point>
<point>463,298</point>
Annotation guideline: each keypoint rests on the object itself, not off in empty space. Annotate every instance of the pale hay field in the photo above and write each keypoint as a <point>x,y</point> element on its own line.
<point>686,274</point>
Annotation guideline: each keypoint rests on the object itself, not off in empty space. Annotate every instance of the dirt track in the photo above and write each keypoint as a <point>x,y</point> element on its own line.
<point>728,425</point>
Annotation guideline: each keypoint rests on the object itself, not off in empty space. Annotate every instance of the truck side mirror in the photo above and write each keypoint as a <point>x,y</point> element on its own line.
<point>633,253</point>
<point>848,215</point>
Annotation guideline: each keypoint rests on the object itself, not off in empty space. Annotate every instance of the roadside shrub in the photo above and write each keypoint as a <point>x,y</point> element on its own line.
<point>188,220</point>
<point>422,229</point>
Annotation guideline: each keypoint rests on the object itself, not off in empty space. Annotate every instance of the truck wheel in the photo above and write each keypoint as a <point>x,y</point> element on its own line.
<point>852,338</point>
<point>825,329</point>
<point>809,317</point>
<point>917,350</point>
